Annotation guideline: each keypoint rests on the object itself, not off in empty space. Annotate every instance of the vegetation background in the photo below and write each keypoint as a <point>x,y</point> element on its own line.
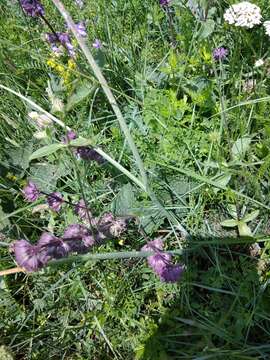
<point>202,129</point>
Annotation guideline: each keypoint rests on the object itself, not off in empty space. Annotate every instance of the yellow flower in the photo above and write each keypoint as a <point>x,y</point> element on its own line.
<point>71,64</point>
<point>11,177</point>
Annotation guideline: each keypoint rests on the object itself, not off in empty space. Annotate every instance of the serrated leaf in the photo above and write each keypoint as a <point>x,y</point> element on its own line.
<point>240,147</point>
<point>81,142</point>
<point>45,175</point>
<point>250,217</point>
<point>81,92</point>
<point>46,150</point>
<point>124,201</point>
<point>20,157</point>
<point>229,223</point>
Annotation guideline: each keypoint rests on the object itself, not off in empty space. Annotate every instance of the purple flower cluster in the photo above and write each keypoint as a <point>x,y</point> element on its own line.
<point>84,152</point>
<point>164,3</point>
<point>220,53</point>
<point>60,38</point>
<point>161,262</point>
<point>31,193</point>
<point>76,238</point>
<point>32,8</point>
<point>97,44</point>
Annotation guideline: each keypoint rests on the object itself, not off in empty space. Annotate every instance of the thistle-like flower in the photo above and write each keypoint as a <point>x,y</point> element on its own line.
<point>220,53</point>
<point>31,192</point>
<point>55,201</point>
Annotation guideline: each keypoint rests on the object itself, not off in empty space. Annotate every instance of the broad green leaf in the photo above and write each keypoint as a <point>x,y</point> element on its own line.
<point>81,92</point>
<point>207,28</point>
<point>229,223</point>
<point>243,229</point>
<point>45,175</point>
<point>81,142</point>
<point>46,150</point>
<point>124,201</point>
<point>240,147</point>
<point>222,181</point>
<point>251,216</point>
<point>20,157</point>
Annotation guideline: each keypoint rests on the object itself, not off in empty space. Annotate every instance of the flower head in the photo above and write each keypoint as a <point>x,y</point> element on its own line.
<point>266,26</point>
<point>90,154</point>
<point>42,120</point>
<point>171,273</point>
<point>82,211</point>
<point>32,8</point>
<point>61,38</point>
<point>55,201</point>
<point>164,3</point>
<point>71,135</point>
<point>81,28</point>
<point>31,192</point>
<point>243,14</point>
<point>54,246</point>
<point>30,257</point>
<point>220,53</point>
<point>97,44</point>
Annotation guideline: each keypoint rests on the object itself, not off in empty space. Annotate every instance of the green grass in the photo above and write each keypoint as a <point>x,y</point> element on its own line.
<point>203,145</point>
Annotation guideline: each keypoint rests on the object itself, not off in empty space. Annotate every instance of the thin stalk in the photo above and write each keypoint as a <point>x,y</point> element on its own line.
<point>104,84</point>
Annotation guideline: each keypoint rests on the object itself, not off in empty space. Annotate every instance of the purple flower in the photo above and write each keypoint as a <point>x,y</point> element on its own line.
<point>78,237</point>
<point>97,44</point>
<point>71,135</point>
<point>88,153</point>
<point>220,53</point>
<point>31,192</point>
<point>161,263</point>
<point>171,273</point>
<point>164,3</point>
<point>55,201</point>
<point>63,38</point>
<point>54,246</point>
<point>81,28</point>
<point>32,8</point>
<point>30,257</point>
<point>82,211</point>
<point>117,227</point>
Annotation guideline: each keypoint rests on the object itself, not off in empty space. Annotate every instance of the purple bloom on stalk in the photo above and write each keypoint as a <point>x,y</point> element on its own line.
<point>32,8</point>
<point>31,192</point>
<point>60,37</point>
<point>97,44</point>
<point>55,247</point>
<point>55,201</point>
<point>71,135</point>
<point>30,257</point>
<point>161,263</point>
<point>81,28</point>
<point>164,3</point>
<point>220,53</point>
<point>82,211</point>
<point>88,153</point>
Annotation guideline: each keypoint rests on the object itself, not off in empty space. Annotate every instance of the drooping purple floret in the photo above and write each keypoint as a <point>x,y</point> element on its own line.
<point>89,154</point>
<point>70,135</point>
<point>63,38</point>
<point>54,246</point>
<point>28,256</point>
<point>31,192</point>
<point>161,262</point>
<point>220,53</point>
<point>32,8</point>
<point>81,28</point>
<point>171,273</point>
<point>97,44</point>
<point>55,201</point>
<point>164,3</point>
<point>82,211</point>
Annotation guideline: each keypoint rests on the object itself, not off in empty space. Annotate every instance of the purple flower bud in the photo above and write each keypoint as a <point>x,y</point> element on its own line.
<point>54,246</point>
<point>81,28</point>
<point>164,3</point>
<point>30,257</point>
<point>31,192</point>
<point>71,135</point>
<point>97,44</point>
<point>220,53</point>
<point>51,38</point>
<point>171,273</point>
<point>32,8</point>
<point>89,154</point>
<point>55,201</point>
<point>81,210</point>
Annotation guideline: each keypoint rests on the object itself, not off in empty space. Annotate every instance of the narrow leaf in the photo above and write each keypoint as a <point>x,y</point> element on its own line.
<point>81,142</point>
<point>251,216</point>
<point>46,150</point>
<point>229,223</point>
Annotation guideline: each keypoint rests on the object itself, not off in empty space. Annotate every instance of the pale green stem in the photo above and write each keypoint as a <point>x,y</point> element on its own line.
<point>104,84</point>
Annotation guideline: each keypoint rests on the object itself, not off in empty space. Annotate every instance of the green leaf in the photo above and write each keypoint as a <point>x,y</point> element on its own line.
<point>124,201</point>
<point>243,229</point>
<point>20,157</point>
<point>251,216</point>
<point>229,223</point>
<point>81,142</point>
<point>207,28</point>
<point>81,92</point>
<point>46,150</point>
<point>240,147</point>
<point>3,222</point>
<point>45,175</point>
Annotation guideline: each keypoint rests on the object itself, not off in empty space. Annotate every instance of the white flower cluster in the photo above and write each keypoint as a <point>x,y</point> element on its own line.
<point>266,25</point>
<point>243,14</point>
